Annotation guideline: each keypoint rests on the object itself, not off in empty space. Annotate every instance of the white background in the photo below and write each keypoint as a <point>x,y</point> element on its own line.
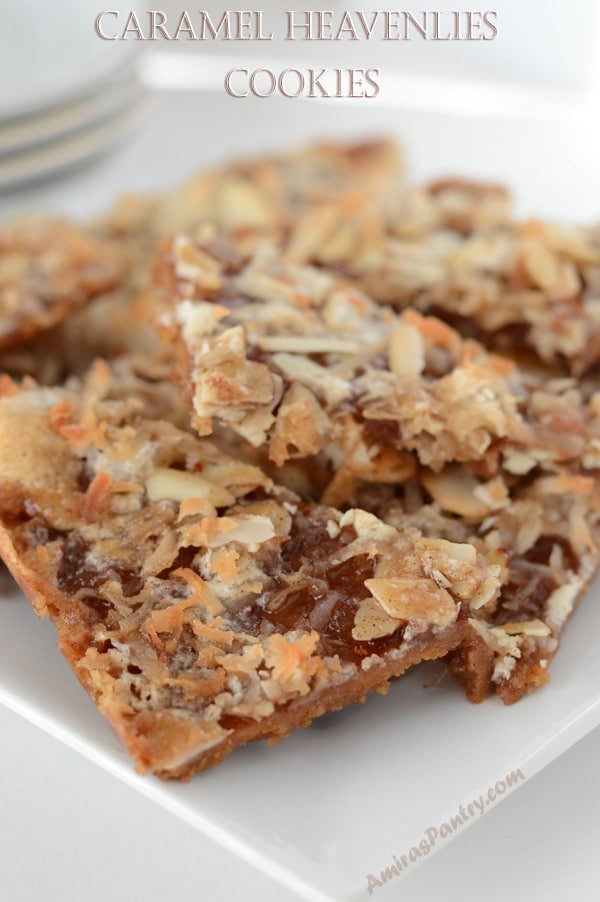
<point>70,832</point>
<point>539,43</point>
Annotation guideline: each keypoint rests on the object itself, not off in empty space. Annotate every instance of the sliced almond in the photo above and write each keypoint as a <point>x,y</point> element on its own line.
<point>342,243</point>
<point>198,318</point>
<point>461,551</point>
<point>178,485</point>
<point>418,601</point>
<point>518,462</point>
<point>301,427</point>
<point>541,264</point>
<point>248,530</point>
<point>564,483</point>
<point>241,203</point>
<point>372,622</point>
<point>235,473</point>
<point>333,529</point>
<point>406,351</point>
<point>307,344</point>
<point>488,589</point>
<point>277,513</point>
<point>494,494</point>
<point>318,378</point>
<point>454,490</point>
<point>194,265</point>
<point>367,525</point>
<point>525,628</point>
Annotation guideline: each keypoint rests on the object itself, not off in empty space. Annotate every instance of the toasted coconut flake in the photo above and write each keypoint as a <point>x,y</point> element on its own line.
<point>560,604</point>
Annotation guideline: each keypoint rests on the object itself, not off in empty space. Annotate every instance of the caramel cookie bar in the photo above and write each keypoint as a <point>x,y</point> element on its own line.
<point>252,201</point>
<point>255,200</point>
<point>303,361</point>
<point>547,521</point>
<point>266,195</point>
<point>454,248</point>
<point>200,605</point>
<point>48,268</point>
<point>418,426</point>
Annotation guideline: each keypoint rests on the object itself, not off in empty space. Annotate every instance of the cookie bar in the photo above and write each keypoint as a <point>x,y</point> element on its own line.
<point>417,425</point>
<point>256,200</point>
<point>48,268</point>
<point>301,359</point>
<point>454,248</point>
<point>549,525</point>
<point>266,195</point>
<point>198,604</point>
<point>253,200</point>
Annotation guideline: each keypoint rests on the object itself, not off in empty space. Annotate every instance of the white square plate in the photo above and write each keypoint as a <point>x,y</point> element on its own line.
<point>355,792</point>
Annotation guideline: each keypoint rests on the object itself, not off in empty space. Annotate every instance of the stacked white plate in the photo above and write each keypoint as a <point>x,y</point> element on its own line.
<point>65,94</point>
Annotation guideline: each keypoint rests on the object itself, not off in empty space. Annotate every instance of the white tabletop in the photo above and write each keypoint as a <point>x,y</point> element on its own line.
<point>70,831</point>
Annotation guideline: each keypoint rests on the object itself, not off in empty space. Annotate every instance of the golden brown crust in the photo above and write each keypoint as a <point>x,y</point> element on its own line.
<point>304,711</point>
<point>199,604</point>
